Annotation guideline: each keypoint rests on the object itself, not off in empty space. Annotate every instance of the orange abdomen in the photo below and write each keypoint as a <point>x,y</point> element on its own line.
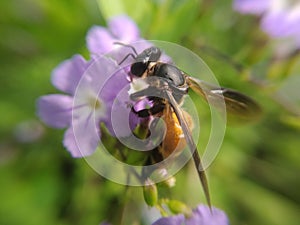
<point>174,140</point>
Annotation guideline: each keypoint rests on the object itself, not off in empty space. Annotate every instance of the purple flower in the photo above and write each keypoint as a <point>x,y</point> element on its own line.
<point>200,216</point>
<point>91,89</point>
<point>280,18</point>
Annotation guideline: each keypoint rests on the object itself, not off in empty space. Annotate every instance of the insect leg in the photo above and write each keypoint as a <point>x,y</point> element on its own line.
<point>128,46</point>
<point>126,57</point>
<point>149,91</point>
<point>157,108</point>
<point>133,55</point>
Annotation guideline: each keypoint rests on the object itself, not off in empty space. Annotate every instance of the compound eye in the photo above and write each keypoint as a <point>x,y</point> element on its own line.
<point>138,68</point>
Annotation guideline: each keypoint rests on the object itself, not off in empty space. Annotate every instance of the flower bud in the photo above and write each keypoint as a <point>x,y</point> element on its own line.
<point>177,207</point>
<point>150,193</point>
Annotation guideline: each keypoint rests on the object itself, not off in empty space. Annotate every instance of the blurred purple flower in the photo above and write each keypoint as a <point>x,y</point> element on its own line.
<point>280,18</point>
<point>256,7</point>
<point>105,223</point>
<point>201,216</point>
<point>28,131</point>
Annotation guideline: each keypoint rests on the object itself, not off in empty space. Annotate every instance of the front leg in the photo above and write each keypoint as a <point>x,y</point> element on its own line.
<point>157,108</point>
<point>149,91</point>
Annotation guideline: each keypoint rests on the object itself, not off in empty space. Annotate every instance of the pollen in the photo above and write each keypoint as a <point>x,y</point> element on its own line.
<point>98,104</point>
<point>94,103</point>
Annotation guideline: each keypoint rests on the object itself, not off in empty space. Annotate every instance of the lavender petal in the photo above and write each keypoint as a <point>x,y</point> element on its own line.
<point>124,29</point>
<point>55,110</point>
<point>203,216</point>
<point>82,138</point>
<point>173,220</point>
<point>279,24</point>
<point>99,40</point>
<point>66,76</point>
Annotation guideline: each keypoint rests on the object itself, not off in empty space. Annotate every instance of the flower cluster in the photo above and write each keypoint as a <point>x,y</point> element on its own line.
<point>280,18</point>
<point>89,87</point>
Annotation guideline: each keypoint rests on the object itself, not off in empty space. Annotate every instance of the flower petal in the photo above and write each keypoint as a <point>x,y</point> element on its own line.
<point>280,24</point>
<point>55,110</point>
<point>122,121</point>
<point>124,28</point>
<point>114,85</point>
<point>203,216</point>
<point>96,77</point>
<point>66,76</point>
<point>173,220</point>
<point>99,40</point>
<point>82,138</point>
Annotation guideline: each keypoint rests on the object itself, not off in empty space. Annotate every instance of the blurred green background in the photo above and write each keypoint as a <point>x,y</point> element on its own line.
<point>254,179</point>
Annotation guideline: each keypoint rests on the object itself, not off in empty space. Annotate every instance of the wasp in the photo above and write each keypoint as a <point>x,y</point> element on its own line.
<point>167,86</point>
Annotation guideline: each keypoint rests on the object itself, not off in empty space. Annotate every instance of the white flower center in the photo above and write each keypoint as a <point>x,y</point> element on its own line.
<point>137,85</point>
<point>88,103</point>
<point>94,103</point>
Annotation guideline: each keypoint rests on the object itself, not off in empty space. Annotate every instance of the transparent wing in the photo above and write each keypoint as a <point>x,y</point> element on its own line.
<point>191,144</point>
<point>237,104</point>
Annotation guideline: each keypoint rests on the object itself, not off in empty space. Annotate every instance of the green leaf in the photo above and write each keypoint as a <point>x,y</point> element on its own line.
<point>111,8</point>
